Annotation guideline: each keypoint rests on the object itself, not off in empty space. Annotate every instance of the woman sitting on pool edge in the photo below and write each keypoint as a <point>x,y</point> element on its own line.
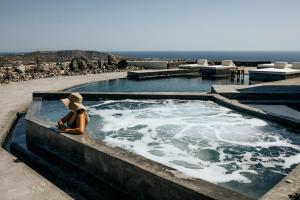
<point>77,119</point>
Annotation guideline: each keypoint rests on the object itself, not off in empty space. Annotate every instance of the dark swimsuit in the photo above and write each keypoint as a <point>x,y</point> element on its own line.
<point>72,121</point>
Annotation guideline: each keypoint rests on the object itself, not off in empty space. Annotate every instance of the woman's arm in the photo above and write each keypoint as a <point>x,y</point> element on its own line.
<point>80,127</point>
<point>64,119</point>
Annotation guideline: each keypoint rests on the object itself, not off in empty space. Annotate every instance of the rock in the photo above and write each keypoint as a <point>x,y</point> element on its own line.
<point>289,181</point>
<point>45,67</point>
<point>78,66</point>
<point>122,64</point>
<point>11,75</point>
<point>78,63</point>
<point>1,77</point>
<point>74,65</point>
<point>29,68</point>
<point>111,59</point>
<point>21,68</point>
<point>92,66</point>
<point>22,76</point>
<point>100,63</point>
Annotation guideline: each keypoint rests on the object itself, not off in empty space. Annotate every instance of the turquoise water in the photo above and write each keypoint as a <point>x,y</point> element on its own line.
<point>201,139</point>
<point>156,85</point>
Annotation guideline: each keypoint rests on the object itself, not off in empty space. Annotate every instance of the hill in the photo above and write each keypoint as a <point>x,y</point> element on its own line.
<point>52,56</point>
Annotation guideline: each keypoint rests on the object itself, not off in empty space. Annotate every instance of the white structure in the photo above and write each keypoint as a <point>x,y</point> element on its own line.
<point>282,65</point>
<point>195,67</point>
<point>277,65</point>
<point>202,62</point>
<point>210,70</point>
<point>262,66</point>
<point>225,64</point>
<point>150,64</point>
<point>228,63</point>
<point>281,71</point>
<point>218,70</point>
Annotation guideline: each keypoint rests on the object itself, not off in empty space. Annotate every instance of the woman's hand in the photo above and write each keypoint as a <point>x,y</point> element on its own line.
<point>62,127</point>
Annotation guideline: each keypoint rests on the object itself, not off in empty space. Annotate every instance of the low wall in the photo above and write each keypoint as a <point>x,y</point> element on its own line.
<point>150,64</point>
<point>215,71</point>
<point>259,76</point>
<point>141,178</point>
<point>156,73</point>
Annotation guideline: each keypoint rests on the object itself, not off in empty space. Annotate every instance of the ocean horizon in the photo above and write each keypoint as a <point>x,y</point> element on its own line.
<point>273,56</point>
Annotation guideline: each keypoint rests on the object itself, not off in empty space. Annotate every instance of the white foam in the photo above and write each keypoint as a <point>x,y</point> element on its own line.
<point>194,137</point>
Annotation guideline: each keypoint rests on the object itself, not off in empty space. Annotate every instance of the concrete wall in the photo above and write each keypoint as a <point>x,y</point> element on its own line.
<point>150,64</point>
<point>221,72</point>
<point>265,77</point>
<point>157,73</point>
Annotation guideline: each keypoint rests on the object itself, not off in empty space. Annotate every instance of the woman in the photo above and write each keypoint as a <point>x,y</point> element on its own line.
<point>77,119</point>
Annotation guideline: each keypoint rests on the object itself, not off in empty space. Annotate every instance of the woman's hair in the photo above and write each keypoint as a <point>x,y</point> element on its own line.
<point>83,111</point>
<point>80,111</point>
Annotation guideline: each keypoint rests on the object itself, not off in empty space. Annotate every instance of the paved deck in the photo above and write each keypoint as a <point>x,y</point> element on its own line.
<point>280,110</point>
<point>289,85</point>
<point>18,181</point>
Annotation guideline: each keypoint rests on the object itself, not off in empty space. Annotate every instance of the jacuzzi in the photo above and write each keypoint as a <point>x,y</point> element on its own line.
<point>169,146</point>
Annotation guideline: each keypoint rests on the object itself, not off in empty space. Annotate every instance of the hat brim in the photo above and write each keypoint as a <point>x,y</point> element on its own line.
<point>72,105</point>
<point>66,102</point>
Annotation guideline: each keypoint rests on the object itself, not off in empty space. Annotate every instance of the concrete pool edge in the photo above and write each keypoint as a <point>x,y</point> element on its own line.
<point>126,171</point>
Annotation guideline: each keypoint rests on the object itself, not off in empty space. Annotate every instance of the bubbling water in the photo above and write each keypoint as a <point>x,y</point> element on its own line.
<point>199,138</point>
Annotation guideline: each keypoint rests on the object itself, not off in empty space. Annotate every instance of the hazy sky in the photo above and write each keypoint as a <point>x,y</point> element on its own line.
<point>28,25</point>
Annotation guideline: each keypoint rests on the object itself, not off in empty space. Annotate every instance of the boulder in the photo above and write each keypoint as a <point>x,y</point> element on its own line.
<point>78,64</point>
<point>1,77</point>
<point>11,75</point>
<point>122,64</point>
<point>100,63</point>
<point>45,67</point>
<point>73,65</point>
<point>111,59</point>
<point>62,72</point>
<point>21,68</point>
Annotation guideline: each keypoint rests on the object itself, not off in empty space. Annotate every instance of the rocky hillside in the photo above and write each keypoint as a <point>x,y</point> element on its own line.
<point>52,56</point>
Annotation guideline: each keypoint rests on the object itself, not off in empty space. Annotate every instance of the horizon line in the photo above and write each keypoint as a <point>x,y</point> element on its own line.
<point>15,52</point>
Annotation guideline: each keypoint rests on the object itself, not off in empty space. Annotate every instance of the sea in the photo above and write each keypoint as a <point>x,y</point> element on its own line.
<point>273,56</point>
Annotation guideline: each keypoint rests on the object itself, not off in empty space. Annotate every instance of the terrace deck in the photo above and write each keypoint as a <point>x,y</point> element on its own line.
<point>271,74</point>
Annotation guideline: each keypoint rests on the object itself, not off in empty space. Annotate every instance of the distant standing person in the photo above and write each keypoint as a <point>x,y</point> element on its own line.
<point>77,119</point>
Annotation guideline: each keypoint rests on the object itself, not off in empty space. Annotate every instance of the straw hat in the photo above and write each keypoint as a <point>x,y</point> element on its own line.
<point>73,102</point>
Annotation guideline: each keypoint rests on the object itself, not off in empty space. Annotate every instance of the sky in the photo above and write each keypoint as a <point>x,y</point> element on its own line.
<point>150,25</point>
